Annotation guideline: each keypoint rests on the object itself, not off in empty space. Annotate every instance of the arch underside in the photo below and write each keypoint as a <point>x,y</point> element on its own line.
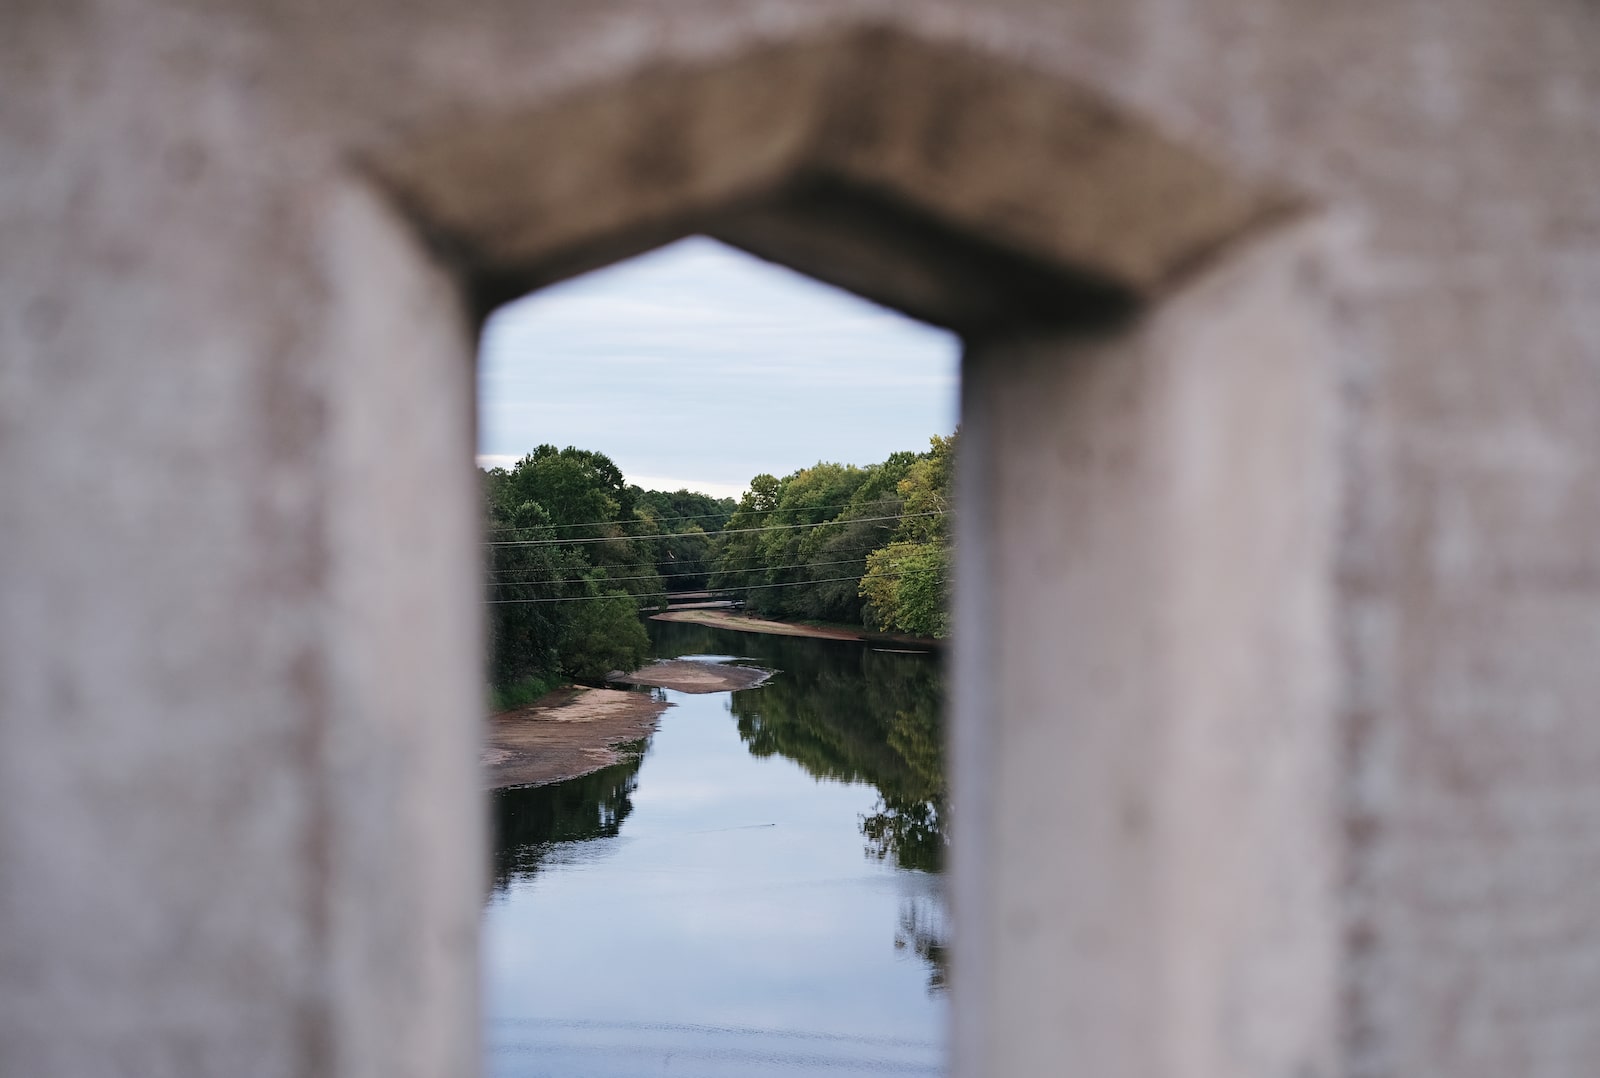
<point>935,179</point>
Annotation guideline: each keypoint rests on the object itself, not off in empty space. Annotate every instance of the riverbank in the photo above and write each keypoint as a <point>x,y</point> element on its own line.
<point>575,730</point>
<point>687,675</point>
<point>746,623</point>
<point>749,860</point>
<point>566,733</point>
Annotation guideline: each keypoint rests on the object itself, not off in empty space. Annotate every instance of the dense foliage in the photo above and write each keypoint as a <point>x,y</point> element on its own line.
<point>569,564</point>
<point>691,521</point>
<point>834,542</point>
<point>575,553</point>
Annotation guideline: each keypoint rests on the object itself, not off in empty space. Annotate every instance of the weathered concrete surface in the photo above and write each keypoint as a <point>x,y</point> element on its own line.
<point>833,152</point>
<point>1166,493</point>
<point>235,532</point>
<point>238,643</point>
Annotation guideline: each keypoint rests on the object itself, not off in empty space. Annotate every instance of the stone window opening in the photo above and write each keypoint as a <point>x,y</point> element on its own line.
<point>1121,358</point>
<point>1145,494</point>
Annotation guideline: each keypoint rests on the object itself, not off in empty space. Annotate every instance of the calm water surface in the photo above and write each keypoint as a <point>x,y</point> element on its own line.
<point>758,893</point>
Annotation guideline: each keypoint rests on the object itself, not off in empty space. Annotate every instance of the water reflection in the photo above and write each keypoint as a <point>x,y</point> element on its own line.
<point>529,821</point>
<point>768,878</point>
<point>922,929</point>
<point>851,713</point>
<point>871,718</point>
<point>843,711</point>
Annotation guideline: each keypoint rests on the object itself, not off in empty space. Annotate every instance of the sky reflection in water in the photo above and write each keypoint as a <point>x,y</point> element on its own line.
<point>711,911</point>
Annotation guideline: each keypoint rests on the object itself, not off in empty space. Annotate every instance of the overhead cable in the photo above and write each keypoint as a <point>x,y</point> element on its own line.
<point>663,576</point>
<point>725,531</point>
<point>624,595</point>
<point>666,520</point>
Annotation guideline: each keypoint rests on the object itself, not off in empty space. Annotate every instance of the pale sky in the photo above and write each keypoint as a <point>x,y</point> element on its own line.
<point>699,366</point>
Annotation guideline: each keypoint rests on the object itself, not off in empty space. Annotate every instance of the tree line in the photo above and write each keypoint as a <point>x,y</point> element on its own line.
<point>865,546</point>
<point>570,565</point>
<point>575,552</point>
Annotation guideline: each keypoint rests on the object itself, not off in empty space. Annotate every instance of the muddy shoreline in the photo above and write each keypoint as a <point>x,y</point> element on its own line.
<point>566,733</point>
<point>575,730</point>
<point>746,623</point>
<point>690,676</point>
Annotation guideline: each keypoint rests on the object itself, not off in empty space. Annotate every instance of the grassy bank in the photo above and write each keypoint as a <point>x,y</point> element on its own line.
<point>521,693</point>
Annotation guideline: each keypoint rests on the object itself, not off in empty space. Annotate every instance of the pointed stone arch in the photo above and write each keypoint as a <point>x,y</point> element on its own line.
<point>930,176</point>
<point>1143,346</point>
<point>1139,883</point>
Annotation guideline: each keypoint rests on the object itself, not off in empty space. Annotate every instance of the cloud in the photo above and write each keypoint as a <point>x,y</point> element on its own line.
<point>716,490</point>
<point>698,360</point>
<point>648,482</point>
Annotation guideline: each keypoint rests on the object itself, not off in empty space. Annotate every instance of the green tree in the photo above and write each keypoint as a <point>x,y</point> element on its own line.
<point>686,556</point>
<point>905,587</point>
<point>574,486</point>
<point>602,635</point>
<point>834,542</point>
<point>541,584</point>
<point>906,583</point>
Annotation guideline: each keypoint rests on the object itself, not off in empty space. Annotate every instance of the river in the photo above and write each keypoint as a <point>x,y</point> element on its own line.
<point>758,892</point>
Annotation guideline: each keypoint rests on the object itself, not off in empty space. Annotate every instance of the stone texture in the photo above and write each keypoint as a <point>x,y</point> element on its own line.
<point>241,246</point>
<point>988,156</point>
<point>1145,678</point>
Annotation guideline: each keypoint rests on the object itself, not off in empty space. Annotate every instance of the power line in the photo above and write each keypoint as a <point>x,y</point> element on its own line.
<point>746,587</point>
<point>662,576</point>
<point>725,531</point>
<point>752,563</point>
<point>665,520</point>
<point>636,520</point>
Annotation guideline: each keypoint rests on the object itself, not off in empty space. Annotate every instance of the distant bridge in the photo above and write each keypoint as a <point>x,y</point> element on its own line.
<point>698,600</point>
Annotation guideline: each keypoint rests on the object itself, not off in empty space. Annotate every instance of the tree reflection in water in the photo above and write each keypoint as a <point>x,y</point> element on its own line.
<point>529,821</point>
<point>842,711</point>
<point>850,712</point>
<point>922,928</point>
<point>853,714</point>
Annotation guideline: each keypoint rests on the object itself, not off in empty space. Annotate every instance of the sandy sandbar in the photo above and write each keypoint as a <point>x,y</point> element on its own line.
<point>725,619</point>
<point>564,734</point>
<point>687,675</point>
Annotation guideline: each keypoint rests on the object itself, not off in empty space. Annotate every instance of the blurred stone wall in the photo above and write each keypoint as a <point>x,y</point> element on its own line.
<point>238,621</point>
